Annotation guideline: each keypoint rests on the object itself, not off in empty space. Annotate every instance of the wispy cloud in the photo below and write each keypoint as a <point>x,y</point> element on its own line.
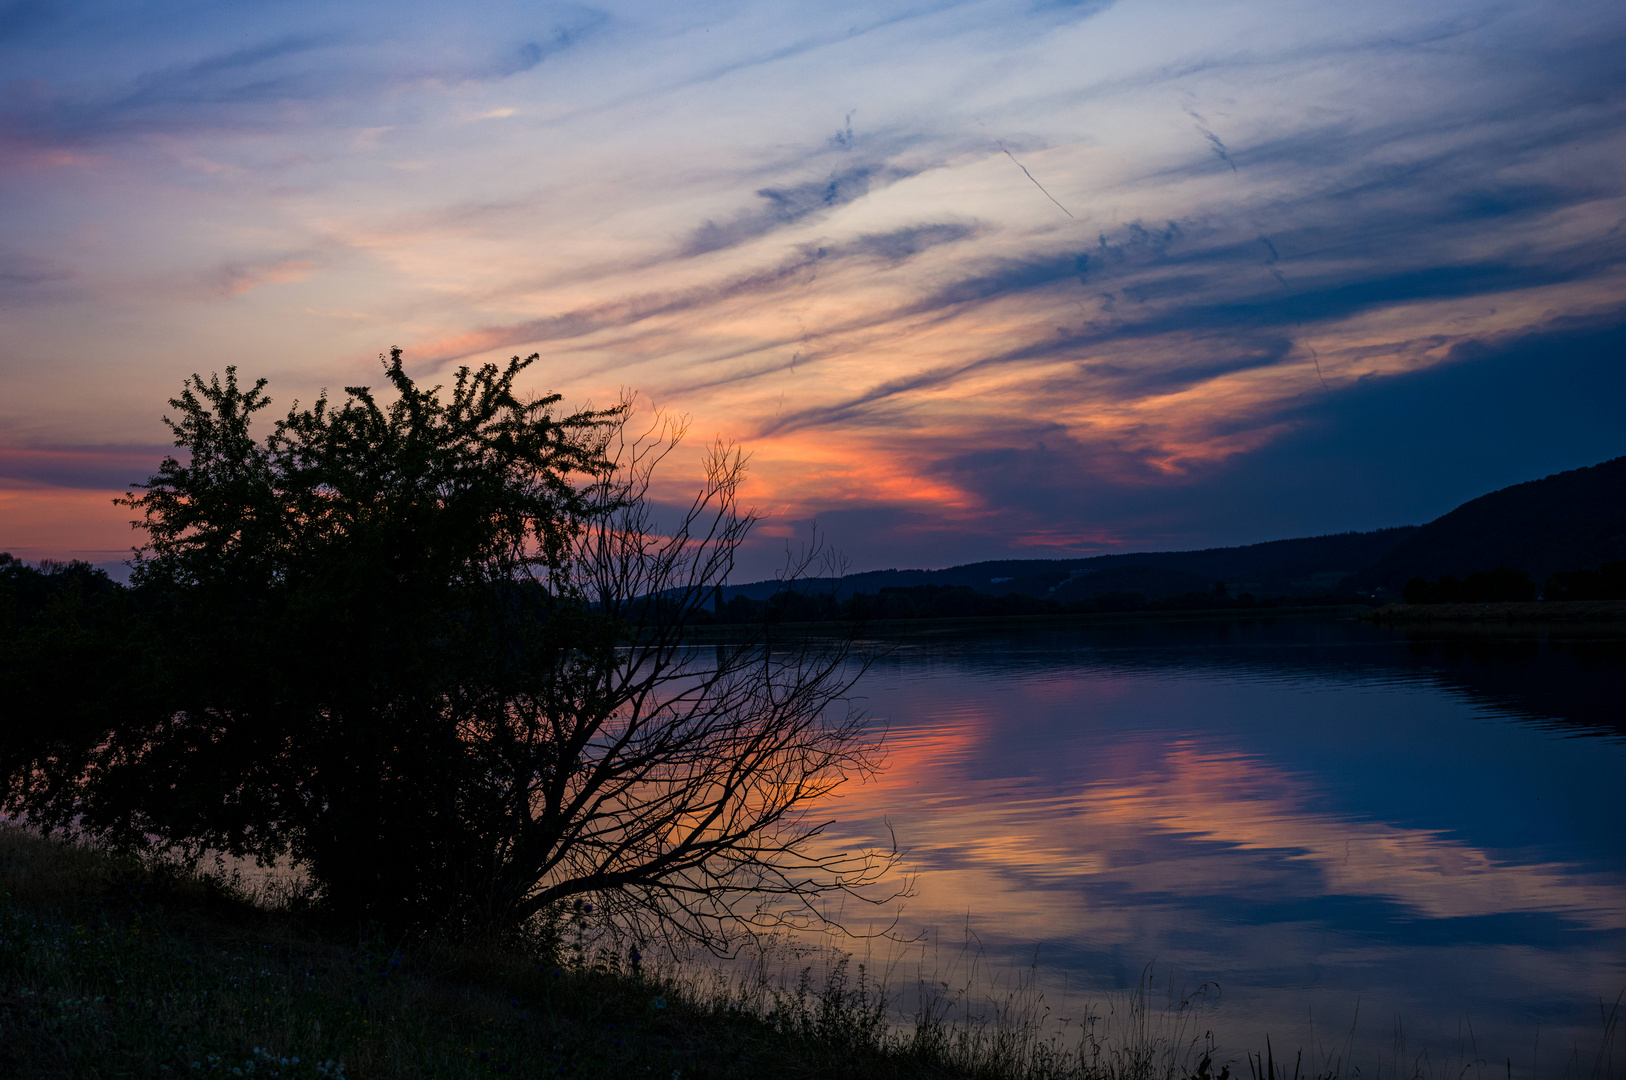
<point>272,84</point>
<point>797,269</point>
<point>87,467</point>
<point>559,37</point>
<point>22,275</point>
<point>235,278</point>
<point>1020,273</point>
<point>791,205</point>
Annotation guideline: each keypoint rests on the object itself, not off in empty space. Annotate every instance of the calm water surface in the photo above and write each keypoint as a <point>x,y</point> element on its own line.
<point>1319,817</point>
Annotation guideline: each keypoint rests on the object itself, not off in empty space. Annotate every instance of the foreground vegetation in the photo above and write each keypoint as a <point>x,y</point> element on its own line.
<point>111,968</point>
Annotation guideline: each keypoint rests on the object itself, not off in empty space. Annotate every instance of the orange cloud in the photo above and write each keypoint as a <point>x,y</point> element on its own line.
<point>234,279</point>
<point>39,522</point>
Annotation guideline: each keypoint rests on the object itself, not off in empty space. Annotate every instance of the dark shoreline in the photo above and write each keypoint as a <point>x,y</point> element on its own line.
<point>1589,617</point>
<point>1541,612</point>
<point>925,627</point>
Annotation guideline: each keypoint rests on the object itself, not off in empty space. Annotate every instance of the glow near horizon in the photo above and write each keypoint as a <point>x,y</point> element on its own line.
<point>823,235</point>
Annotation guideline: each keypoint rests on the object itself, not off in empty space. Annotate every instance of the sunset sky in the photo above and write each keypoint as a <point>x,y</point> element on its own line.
<point>968,280</point>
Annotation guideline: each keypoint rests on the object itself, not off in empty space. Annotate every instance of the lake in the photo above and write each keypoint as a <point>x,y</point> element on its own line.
<point>1413,834</point>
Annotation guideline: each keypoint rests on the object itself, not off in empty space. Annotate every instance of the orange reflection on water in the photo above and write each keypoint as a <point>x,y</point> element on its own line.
<point>1243,803</point>
<point>1174,820</point>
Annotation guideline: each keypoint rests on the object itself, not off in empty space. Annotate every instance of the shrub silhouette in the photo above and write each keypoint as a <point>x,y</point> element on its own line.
<point>1496,586</point>
<point>1608,582</point>
<point>432,652</point>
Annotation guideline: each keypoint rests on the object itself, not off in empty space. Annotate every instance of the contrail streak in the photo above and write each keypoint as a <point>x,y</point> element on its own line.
<point>1314,356</point>
<point>1036,183</point>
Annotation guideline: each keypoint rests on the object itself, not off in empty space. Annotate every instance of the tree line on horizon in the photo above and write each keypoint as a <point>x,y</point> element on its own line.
<point>933,601</point>
<point>1505,585</point>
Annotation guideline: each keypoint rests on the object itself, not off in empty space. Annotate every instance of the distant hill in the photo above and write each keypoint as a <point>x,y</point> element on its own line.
<point>1276,568</point>
<point>1572,520</point>
<point>1141,578</point>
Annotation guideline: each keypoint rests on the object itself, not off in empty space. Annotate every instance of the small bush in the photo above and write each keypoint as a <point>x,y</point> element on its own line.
<point>1502,585</point>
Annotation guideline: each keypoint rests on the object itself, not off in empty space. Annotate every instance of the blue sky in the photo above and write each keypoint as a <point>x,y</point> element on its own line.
<point>967,279</point>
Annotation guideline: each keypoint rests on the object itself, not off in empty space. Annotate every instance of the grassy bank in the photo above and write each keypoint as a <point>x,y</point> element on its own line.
<point>109,968</point>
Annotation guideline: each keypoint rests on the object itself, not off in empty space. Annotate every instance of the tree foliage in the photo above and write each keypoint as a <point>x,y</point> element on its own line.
<point>1607,582</point>
<point>432,652</point>
<point>1481,587</point>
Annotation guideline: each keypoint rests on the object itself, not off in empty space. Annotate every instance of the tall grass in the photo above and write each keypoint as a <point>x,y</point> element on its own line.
<point>961,1029</point>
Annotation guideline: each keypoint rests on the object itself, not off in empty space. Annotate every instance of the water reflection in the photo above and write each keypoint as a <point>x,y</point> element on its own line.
<point>1312,814</point>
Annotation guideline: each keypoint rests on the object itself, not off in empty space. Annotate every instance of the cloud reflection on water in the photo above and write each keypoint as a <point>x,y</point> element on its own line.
<point>1262,825</point>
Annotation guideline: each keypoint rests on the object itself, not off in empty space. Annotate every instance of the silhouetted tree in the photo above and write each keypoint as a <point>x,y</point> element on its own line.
<point>1608,582</point>
<point>1481,587</point>
<point>70,651</point>
<point>432,652</point>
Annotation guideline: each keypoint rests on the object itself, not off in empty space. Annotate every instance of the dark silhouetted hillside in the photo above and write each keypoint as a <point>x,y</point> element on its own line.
<point>1300,567</point>
<point>1572,520</point>
<point>1296,567</point>
<point>1146,580</point>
